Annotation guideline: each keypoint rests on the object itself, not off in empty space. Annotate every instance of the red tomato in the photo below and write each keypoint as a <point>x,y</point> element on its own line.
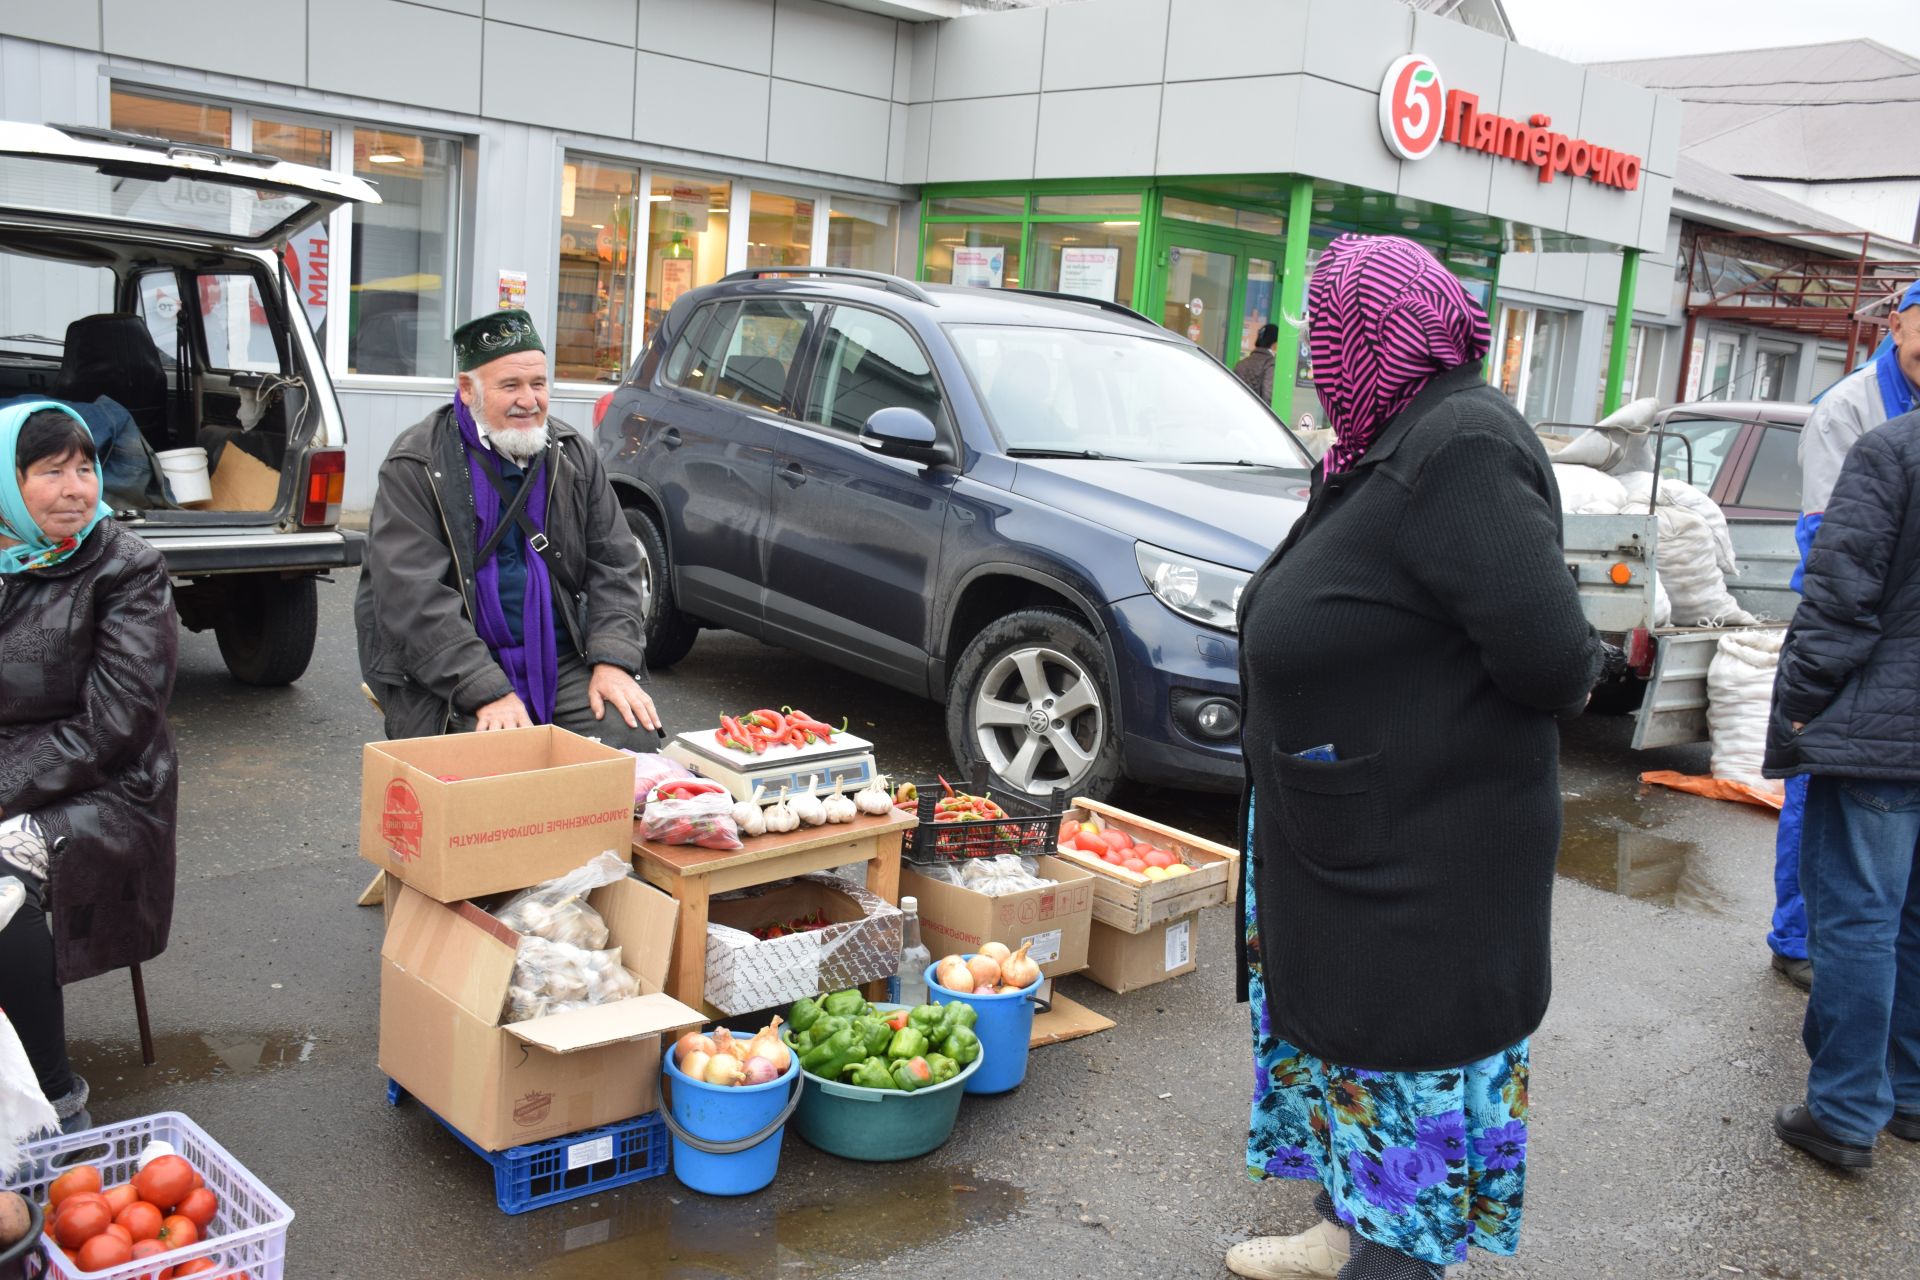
<point>1134,864</point>
<point>147,1249</point>
<point>82,1177</point>
<point>1090,842</point>
<point>1158,858</point>
<point>1113,856</point>
<point>1118,840</point>
<point>165,1182</point>
<point>142,1219</point>
<point>80,1222</point>
<point>104,1251</point>
<point>119,1232</point>
<point>178,1232</point>
<point>120,1197</point>
<point>201,1204</point>
<point>195,1267</point>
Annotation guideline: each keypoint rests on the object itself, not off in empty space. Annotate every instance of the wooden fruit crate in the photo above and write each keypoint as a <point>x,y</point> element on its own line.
<point>1133,903</point>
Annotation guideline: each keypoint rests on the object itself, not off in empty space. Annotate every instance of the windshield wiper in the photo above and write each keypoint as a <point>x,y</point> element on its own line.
<point>1092,455</point>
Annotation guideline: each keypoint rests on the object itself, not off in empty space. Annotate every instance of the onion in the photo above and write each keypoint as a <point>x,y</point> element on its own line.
<point>760,1071</point>
<point>986,989</point>
<point>722,1068</point>
<point>1008,989</point>
<point>953,974</point>
<point>985,970</point>
<point>1020,970</point>
<point>998,950</point>
<point>767,1044</point>
<point>723,1042</point>
<point>695,1064</point>
<point>689,1043</point>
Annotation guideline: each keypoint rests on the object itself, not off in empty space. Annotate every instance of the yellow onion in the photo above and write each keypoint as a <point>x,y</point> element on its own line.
<point>997,950</point>
<point>690,1043</point>
<point>695,1064</point>
<point>1019,970</point>
<point>723,1068</point>
<point>985,970</point>
<point>767,1044</point>
<point>954,974</point>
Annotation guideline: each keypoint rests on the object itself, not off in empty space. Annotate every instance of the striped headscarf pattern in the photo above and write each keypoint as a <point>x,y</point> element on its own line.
<point>1383,318</point>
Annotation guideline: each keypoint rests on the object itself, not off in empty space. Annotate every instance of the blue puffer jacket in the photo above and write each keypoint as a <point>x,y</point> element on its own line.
<point>1850,669</point>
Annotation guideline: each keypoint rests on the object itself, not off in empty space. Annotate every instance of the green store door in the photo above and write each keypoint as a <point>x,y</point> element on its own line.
<point>1217,294</point>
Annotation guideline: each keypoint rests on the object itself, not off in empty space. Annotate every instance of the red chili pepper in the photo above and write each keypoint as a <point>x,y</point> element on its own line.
<point>775,722</point>
<point>951,794</point>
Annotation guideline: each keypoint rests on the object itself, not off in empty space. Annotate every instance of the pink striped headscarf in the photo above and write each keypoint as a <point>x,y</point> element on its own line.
<point>1383,318</point>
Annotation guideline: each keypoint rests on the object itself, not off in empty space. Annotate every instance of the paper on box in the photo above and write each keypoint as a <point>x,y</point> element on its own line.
<point>1055,920</point>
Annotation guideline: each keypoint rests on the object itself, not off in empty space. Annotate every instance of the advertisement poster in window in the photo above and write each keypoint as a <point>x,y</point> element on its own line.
<point>513,289</point>
<point>979,266</point>
<point>687,210</point>
<point>676,277</point>
<point>1090,272</point>
<point>308,264</point>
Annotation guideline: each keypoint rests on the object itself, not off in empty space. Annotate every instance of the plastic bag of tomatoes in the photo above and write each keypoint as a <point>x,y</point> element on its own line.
<point>165,1206</point>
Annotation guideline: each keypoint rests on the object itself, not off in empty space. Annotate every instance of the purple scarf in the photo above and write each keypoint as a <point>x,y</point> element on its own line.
<point>533,665</point>
<point>1384,318</point>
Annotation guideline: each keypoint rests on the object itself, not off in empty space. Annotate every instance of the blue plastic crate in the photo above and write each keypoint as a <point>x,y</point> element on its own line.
<point>586,1163</point>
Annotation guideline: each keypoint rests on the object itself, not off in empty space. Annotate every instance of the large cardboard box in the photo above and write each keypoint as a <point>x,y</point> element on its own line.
<point>444,972</point>
<point>1122,961</point>
<point>530,805</point>
<point>1056,920</point>
<point>745,973</point>
<point>1133,903</point>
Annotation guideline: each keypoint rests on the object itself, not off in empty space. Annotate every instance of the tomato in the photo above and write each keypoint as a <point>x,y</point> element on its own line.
<point>201,1204</point>
<point>82,1177</point>
<point>104,1251</point>
<point>142,1219</point>
<point>1113,856</point>
<point>1090,842</point>
<point>1134,864</point>
<point>165,1182</point>
<point>1118,840</point>
<point>195,1267</point>
<point>119,1232</point>
<point>78,1223</point>
<point>120,1197</point>
<point>1158,858</point>
<point>178,1232</point>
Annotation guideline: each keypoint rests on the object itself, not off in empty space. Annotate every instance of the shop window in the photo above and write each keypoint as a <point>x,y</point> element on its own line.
<point>1101,207</point>
<point>984,255</point>
<point>171,118</point>
<point>1263,297</point>
<point>594,301</point>
<point>1772,374</point>
<point>686,239</point>
<point>1091,259</point>
<point>779,231</point>
<point>977,207</point>
<point>1644,351</point>
<point>869,363</point>
<point>1219,215</point>
<point>862,234</point>
<point>746,352</point>
<point>400,318</point>
<point>1528,356</point>
<point>297,143</point>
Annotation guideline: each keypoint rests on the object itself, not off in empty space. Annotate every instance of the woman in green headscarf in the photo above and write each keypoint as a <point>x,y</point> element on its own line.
<point>88,639</point>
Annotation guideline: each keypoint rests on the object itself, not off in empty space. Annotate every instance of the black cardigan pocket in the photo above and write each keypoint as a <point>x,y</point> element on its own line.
<point>1332,811</point>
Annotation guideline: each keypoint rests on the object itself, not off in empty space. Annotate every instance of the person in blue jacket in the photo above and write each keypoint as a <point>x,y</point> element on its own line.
<point>1886,386</point>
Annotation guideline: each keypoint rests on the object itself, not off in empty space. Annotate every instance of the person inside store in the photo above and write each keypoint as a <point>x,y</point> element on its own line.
<point>1886,386</point>
<point>1257,369</point>
<point>1405,655</point>
<point>501,581</point>
<point>1846,716</point>
<point>88,788</point>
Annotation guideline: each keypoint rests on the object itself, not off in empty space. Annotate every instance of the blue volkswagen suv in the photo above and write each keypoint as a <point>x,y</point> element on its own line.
<point>1037,510</point>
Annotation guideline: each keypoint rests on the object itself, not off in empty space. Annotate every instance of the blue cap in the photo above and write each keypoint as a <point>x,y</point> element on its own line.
<point>1910,298</point>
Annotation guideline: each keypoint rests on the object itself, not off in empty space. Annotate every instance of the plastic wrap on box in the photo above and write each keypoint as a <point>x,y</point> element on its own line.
<point>745,974</point>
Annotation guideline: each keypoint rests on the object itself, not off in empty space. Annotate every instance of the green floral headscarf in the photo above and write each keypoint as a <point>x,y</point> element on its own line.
<point>32,550</point>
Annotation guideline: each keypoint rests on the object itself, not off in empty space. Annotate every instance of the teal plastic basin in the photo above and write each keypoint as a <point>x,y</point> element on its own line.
<point>880,1124</point>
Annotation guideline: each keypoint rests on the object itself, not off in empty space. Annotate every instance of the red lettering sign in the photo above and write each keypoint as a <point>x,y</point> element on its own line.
<point>1403,110</point>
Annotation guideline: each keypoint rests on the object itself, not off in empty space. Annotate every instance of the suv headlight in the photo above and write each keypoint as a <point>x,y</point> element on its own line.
<point>1206,592</point>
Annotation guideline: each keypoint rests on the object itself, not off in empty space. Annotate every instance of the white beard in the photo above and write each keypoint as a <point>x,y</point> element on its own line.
<point>520,443</point>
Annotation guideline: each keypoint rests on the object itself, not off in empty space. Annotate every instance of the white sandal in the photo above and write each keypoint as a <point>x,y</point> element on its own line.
<point>1319,1251</point>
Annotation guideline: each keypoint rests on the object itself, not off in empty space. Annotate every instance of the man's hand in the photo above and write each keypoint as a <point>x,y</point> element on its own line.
<point>504,713</point>
<point>611,685</point>
<point>1798,725</point>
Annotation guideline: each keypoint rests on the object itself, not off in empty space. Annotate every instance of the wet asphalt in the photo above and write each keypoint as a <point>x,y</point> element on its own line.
<point>1668,1046</point>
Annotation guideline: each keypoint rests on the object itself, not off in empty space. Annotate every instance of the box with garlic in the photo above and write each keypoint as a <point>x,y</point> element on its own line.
<point>563,961</point>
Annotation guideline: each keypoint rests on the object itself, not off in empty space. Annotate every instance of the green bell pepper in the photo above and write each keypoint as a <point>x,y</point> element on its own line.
<point>956,1014</point>
<point>803,1014</point>
<point>876,1034</point>
<point>872,1074</point>
<point>800,1042</point>
<point>961,1045</point>
<point>848,1004</point>
<point>827,1025</point>
<point>834,1054</point>
<point>907,1043</point>
<point>912,1073</point>
<point>926,1019</point>
<point>943,1067</point>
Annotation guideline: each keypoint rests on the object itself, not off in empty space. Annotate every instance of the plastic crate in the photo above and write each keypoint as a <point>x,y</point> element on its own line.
<point>1030,827</point>
<point>586,1163</point>
<point>248,1236</point>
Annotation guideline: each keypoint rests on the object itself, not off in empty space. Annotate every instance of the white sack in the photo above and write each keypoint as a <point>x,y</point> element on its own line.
<point>1739,694</point>
<point>1678,493</point>
<point>1695,549</point>
<point>1587,492</point>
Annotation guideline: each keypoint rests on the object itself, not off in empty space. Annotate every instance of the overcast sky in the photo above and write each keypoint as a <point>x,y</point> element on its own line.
<point>1653,28</point>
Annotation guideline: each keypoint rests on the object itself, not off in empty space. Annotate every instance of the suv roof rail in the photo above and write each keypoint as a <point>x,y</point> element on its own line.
<point>891,283</point>
<point>1102,303</point>
<point>151,142</point>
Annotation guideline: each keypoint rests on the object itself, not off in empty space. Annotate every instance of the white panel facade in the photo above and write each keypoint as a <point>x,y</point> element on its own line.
<point>1354,41</point>
<point>1096,46</point>
<point>561,81</point>
<point>1466,59</point>
<point>835,48</point>
<point>263,39</point>
<point>69,24</point>
<point>733,118</point>
<point>990,55</point>
<point>1235,39</point>
<point>1194,120</point>
<point>983,139</point>
<point>609,21</point>
<point>832,132</point>
<point>728,33</point>
<point>345,61</point>
<point>1341,137</point>
<point>1098,133</point>
<point>1531,84</point>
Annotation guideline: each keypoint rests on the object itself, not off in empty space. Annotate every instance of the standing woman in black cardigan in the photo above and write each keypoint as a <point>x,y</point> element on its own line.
<point>1404,655</point>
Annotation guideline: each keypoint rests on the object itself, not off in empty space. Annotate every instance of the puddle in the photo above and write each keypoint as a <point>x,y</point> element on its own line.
<point>660,1229</point>
<point>1607,843</point>
<point>190,1057</point>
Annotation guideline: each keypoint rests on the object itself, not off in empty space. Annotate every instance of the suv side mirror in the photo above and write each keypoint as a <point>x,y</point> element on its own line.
<point>900,432</point>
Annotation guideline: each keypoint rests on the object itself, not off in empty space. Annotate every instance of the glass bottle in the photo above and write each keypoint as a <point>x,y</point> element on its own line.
<point>908,985</point>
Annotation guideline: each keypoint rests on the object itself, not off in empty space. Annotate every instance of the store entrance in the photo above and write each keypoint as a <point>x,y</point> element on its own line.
<point>1216,289</point>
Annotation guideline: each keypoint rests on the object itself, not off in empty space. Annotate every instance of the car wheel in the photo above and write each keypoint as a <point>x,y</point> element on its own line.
<point>266,629</point>
<point>669,633</point>
<point>1033,699</point>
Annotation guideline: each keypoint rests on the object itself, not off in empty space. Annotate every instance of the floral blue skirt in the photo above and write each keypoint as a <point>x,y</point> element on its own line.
<point>1425,1162</point>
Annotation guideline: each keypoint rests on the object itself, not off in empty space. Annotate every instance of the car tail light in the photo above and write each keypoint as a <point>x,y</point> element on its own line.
<point>600,408</point>
<point>324,486</point>
<point>1640,652</point>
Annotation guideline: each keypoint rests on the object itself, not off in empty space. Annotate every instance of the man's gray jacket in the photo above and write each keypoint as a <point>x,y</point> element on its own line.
<point>420,651</point>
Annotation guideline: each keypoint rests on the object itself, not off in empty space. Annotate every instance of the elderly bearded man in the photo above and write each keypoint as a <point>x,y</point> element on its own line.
<point>500,583</point>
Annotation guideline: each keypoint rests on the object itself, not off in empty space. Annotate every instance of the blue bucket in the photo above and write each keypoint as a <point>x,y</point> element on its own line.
<point>1005,1027</point>
<point>726,1138</point>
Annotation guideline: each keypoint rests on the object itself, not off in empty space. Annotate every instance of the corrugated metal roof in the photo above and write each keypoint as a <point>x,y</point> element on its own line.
<point>1704,182</point>
<point>1828,112</point>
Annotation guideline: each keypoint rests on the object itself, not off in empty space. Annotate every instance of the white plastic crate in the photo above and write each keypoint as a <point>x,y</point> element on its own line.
<point>247,1237</point>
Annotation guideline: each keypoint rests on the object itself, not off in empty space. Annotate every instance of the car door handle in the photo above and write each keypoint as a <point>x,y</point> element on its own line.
<point>671,438</point>
<point>793,474</point>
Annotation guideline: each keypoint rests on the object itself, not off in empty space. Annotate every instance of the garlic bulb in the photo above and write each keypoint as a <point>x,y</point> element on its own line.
<point>838,808</point>
<point>781,818</point>
<point>874,799</point>
<point>747,816</point>
<point>808,807</point>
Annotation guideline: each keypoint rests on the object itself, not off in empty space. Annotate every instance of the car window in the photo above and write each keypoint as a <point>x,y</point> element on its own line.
<point>869,362</point>
<point>1773,481</point>
<point>238,329</point>
<point>746,349</point>
<point>681,357</point>
<point>1712,439</point>
<point>160,309</point>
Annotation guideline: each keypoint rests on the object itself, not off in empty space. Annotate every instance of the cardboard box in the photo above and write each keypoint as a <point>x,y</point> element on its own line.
<point>533,804</point>
<point>1055,920</point>
<point>745,974</point>
<point>241,482</point>
<point>1122,961</point>
<point>444,972</point>
<point>1133,903</point>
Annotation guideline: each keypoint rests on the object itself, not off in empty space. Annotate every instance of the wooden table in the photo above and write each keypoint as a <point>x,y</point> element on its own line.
<point>692,876</point>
